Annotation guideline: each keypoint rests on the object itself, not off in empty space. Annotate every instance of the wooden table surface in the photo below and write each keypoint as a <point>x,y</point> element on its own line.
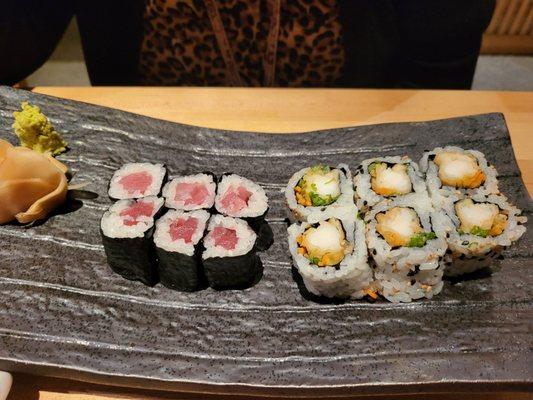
<point>287,110</point>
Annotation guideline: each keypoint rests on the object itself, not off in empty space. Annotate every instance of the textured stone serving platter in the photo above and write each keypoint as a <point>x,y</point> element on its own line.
<point>64,313</point>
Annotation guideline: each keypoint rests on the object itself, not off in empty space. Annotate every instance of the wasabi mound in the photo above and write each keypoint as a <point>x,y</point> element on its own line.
<point>36,132</point>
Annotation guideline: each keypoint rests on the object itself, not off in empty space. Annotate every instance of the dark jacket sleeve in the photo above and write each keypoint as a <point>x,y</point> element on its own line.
<point>413,43</point>
<point>439,41</point>
<point>111,33</point>
<point>29,32</point>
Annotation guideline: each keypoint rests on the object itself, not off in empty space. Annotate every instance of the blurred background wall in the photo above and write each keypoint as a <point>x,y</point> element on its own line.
<point>506,61</point>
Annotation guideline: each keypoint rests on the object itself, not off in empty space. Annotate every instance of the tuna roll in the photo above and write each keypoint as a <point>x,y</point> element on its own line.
<point>126,230</point>
<point>318,188</point>
<point>241,198</point>
<point>229,259</point>
<point>177,236</point>
<point>191,192</point>
<point>136,180</point>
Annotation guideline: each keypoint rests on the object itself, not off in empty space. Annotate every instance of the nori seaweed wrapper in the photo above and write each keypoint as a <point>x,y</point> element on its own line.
<point>179,271</point>
<point>132,258</point>
<point>265,236</point>
<point>237,272</point>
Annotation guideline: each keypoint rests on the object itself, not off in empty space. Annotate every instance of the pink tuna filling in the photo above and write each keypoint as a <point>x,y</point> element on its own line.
<point>224,237</point>
<point>235,199</point>
<point>191,193</point>
<point>136,182</point>
<point>136,210</point>
<point>183,228</point>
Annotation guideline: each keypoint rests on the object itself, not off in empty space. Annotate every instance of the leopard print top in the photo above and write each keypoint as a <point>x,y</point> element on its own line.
<point>180,46</point>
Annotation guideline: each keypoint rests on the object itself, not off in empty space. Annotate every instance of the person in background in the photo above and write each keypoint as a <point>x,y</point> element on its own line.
<point>295,43</point>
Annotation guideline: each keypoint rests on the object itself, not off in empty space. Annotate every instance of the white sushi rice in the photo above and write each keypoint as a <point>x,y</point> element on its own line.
<point>365,196</point>
<point>112,223</point>
<point>302,213</point>
<point>471,252</point>
<point>163,239</point>
<point>157,171</point>
<point>399,288</point>
<point>442,195</point>
<point>169,192</point>
<point>113,226</point>
<point>354,275</point>
<point>257,203</point>
<point>246,237</point>
<point>122,205</point>
<point>407,273</point>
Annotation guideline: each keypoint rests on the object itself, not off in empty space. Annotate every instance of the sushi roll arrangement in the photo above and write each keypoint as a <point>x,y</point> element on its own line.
<point>446,218</point>
<point>477,219</point>
<point>229,258</point>
<point>395,230</point>
<point>318,188</point>
<point>177,242</point>
<point>380,178</point>
<point>190,244</point>
<point>191,192</point>
<point>328,248</point>
<point>127,228</point>
<point>136,180</point>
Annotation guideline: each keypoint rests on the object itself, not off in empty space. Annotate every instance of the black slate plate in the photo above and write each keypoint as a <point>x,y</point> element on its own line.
<point>64,313</point>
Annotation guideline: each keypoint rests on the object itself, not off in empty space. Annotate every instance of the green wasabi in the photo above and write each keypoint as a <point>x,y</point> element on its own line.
<point>35,131</point>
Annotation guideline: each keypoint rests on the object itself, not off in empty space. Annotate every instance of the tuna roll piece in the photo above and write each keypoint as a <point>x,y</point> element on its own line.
<point>241,198</point>
<point>191,192</point>
<point>177,237</point>
<point>136,180</point>
<point>126,230</point>
<point>229,259</point>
